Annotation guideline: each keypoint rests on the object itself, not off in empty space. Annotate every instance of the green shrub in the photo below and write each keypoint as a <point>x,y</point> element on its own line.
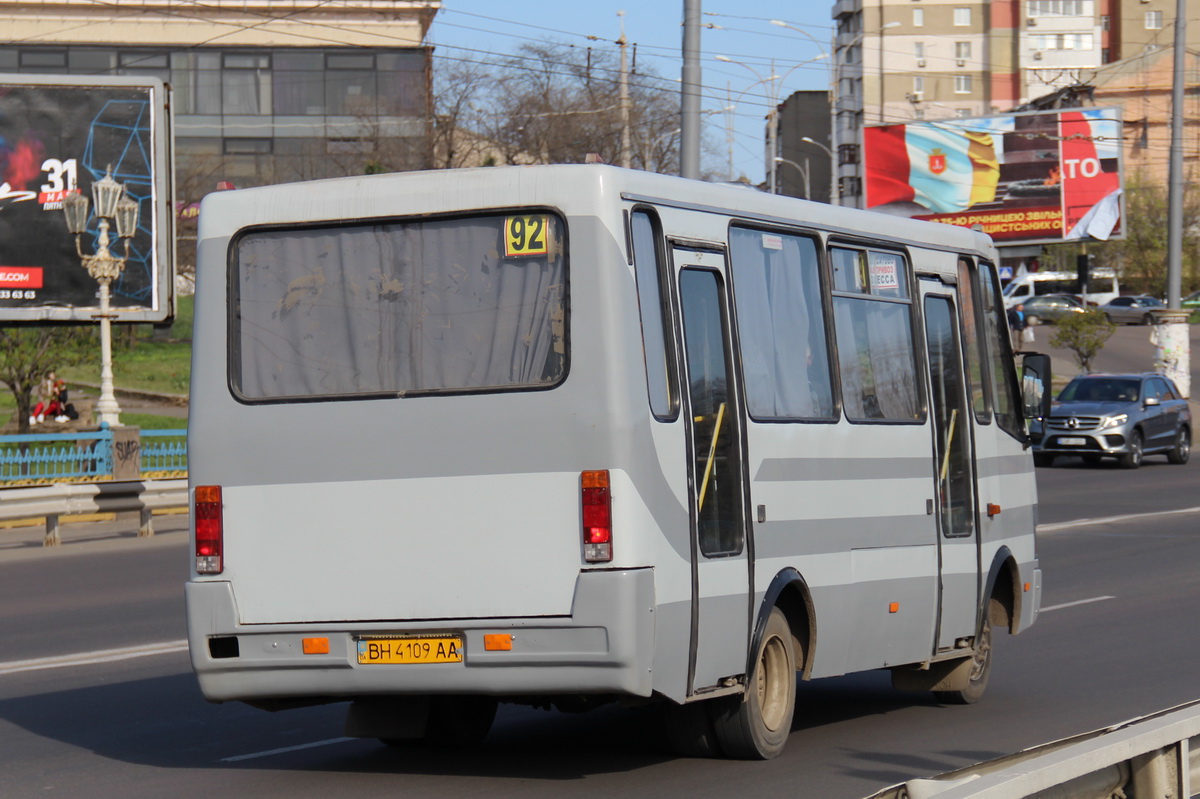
<point>1084,334</point>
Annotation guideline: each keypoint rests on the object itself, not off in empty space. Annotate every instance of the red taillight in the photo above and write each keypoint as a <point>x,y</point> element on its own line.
<point>209,532</point>
<point>597,516</point>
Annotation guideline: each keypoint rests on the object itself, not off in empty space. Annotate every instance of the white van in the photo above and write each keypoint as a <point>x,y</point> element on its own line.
<point>567,435</point>
<point>1102,286</point>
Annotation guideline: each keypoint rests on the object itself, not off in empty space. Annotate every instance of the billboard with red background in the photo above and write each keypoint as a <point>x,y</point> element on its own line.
<point>1041,177</point>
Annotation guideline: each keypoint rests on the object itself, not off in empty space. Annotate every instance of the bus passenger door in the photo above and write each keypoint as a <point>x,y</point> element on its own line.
<point>719,549</point>
<point>954,472</point>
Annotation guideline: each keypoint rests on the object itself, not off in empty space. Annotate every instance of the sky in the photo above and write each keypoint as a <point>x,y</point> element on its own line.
<point>487,30</point>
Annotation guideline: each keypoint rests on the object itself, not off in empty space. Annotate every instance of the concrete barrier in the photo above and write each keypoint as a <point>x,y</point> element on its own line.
<point>1151,756</point>
<point>52,501</point>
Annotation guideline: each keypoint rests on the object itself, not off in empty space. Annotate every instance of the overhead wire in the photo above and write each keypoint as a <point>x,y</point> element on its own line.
<point>487,58</point>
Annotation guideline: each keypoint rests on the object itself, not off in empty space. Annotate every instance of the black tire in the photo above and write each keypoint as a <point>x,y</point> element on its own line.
<point>1147,319</point>
<point>756,725</point>
<point>1133,458</point>
<point>1182,450</point>
<point>981,672</point>
<point>1043,459</point>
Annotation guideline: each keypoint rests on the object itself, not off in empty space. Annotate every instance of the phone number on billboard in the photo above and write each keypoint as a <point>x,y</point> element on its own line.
<point>7,294</point>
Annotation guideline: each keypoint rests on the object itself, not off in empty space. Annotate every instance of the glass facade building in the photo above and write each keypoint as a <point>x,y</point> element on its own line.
<point>258,115</point>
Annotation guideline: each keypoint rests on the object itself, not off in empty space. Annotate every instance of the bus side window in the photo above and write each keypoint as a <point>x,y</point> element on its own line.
<point>1002,377</point>
<point>976,376</point>
<point>781,325</point>
<point>652,297</point>
<point>872,314</point>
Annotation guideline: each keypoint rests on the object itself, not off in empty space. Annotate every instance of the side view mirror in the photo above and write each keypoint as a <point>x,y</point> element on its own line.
<point>1150,402</point>
<point>1036,391</point>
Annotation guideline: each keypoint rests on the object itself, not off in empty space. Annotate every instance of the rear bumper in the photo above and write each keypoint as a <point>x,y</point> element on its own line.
<point>606,646</point>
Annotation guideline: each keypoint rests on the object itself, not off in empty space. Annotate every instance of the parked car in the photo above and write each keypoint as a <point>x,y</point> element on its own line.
<point>1122,416</point>
<point>1049,308</point>
<point>1132,310</point>
<point>1192,300</point>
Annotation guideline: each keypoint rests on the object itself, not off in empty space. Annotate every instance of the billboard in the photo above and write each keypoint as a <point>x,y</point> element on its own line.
<point>1042,177</point>
<point>60,134</point>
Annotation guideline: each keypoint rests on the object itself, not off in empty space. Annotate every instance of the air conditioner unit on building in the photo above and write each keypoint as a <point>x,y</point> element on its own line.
<point>1037,56</point>
<point>920,62</point>
<point>961,62</point>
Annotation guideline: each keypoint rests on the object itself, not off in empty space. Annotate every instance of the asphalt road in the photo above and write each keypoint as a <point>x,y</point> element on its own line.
<point>1116,640</point>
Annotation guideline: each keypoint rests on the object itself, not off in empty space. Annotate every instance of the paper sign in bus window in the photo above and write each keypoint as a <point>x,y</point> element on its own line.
<point>526,235</point>
<point>885,273</point>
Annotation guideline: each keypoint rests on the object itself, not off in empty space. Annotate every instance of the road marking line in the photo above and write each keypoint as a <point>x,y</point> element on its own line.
<point>1076,602</point>
<point>88,658</point>
<point>1049,528</point>
<point>284,749</point>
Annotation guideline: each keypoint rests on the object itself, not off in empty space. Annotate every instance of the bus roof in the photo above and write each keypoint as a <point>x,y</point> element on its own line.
<point>574,188</point>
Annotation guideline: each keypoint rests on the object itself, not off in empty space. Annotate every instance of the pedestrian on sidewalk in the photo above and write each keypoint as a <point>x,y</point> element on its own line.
<point>1017,327</point>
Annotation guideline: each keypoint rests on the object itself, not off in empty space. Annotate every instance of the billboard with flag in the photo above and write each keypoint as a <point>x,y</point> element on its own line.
<point>1042,177</point>
<point>59,135</point>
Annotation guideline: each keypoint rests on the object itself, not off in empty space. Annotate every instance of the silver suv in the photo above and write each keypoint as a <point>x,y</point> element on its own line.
<point>1116,416</point>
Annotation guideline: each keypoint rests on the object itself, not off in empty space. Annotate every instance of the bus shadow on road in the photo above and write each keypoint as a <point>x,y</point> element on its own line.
<point>163,722</point>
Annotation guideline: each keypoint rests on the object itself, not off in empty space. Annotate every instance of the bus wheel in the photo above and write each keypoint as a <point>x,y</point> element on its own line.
<point>981,670</point>
<point>755,725</point>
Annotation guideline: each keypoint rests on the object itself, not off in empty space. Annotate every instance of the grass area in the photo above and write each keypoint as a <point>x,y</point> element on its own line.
<point>148,421</point>
<point>143,359</point>
<point>146,359</point>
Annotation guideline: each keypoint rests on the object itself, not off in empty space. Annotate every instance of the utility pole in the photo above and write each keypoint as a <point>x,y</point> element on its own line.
<point>626,156</point>
<point>1173,355</point>
<point>689,105</point>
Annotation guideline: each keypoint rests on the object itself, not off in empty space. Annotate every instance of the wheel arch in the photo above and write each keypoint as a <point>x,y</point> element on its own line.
<point>790,593</point>
<point>1003,585</point>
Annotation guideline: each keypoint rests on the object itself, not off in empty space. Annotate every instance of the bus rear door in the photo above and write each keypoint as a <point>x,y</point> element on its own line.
<point>721,577</point>
<point>954,472</point>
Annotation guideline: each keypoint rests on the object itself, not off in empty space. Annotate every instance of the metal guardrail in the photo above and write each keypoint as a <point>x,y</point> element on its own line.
<point>65,499</point>
<point>1155,756</point>
<point>53,457</point>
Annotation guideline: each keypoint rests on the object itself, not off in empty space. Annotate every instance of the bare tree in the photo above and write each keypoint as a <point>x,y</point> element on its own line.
<point>557,104</point>
<point>460,89</point>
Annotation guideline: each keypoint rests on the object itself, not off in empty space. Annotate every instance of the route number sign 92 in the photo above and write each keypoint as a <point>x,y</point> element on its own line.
<point>526,235</point>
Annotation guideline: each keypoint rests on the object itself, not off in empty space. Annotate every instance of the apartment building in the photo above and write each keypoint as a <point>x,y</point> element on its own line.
<point>900,60</point>
<point>265,91</point>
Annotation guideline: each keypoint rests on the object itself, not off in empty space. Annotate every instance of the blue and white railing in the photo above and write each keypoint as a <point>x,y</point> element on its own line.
<point>86,456</point>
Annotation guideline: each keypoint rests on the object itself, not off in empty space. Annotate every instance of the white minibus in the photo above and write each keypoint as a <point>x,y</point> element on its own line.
<point>1102,286</point>
<point>569,435</point>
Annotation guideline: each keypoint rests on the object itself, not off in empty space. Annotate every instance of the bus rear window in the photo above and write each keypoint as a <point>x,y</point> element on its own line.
<point>389,308</point>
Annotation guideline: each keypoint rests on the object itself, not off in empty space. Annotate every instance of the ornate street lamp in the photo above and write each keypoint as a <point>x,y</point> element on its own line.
<point>111,203</point>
